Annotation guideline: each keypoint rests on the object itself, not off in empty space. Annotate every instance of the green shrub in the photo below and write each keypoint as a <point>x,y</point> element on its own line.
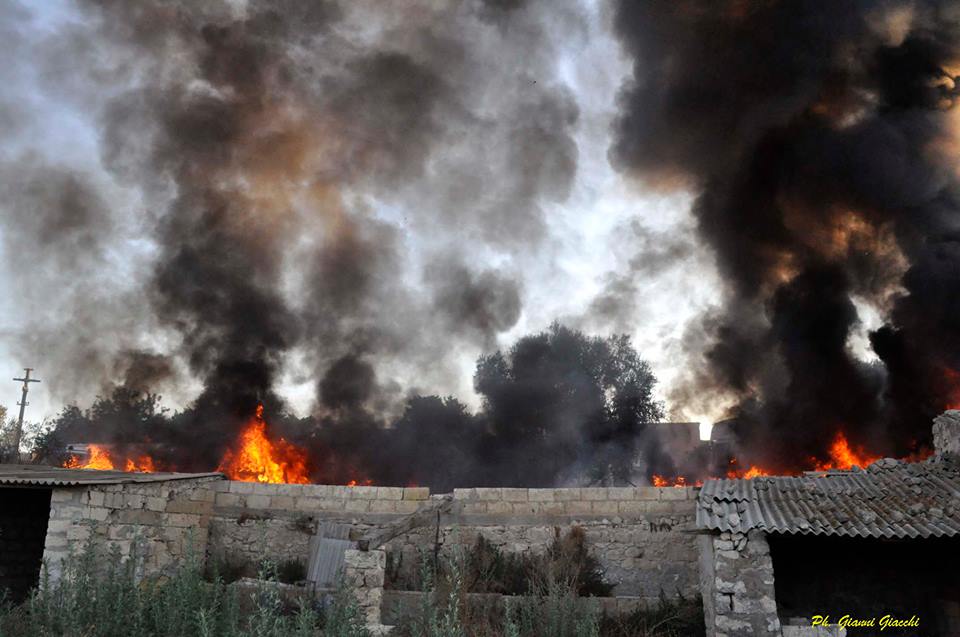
<point>552,604</point>
<point>487,569</point>
<point>555,610</point>
<point>225,568</point>
<point>100,594</point>
<point>343,617</point>
<point>678,617</point>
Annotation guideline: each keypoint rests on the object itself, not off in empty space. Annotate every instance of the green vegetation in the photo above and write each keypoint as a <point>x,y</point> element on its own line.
<point>548,595</point>
<point>485,568</point>
<point>679,617</point>
<point>100,595</point>
<point>554,609</point>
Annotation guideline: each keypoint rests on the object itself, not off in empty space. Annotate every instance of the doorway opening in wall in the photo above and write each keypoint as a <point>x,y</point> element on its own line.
<point>869,578</point>
<point>23,531</point>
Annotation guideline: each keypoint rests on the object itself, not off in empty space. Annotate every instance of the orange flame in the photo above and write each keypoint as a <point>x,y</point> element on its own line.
<point>258,459</point>
<point>101,459</point>
<point>752,471</point>
<point>143,464</point>
<point>678,481</point>
<point>843,456</point>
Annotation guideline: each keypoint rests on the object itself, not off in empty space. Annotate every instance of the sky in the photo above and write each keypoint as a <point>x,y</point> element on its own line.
<point>616,256</point>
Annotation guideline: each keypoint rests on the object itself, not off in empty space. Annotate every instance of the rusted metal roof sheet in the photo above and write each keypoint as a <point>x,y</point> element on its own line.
<point>38,475</point>
<point>889,499</point>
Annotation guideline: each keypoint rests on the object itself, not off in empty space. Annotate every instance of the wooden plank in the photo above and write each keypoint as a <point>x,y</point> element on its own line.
<point>424,516</point>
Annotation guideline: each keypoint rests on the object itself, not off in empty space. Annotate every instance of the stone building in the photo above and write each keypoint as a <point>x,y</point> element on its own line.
<point>865,543</point>
<point>640,535</point>
<point>765,554</point>
<point>44,511</point>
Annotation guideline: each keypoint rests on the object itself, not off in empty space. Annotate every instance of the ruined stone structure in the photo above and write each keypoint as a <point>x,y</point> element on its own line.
<point>737,571</point>
<point>778,550</point>
<point>751,548</point>
<point>641,536</point>
<point>166,518</point>
<point>365,571</point>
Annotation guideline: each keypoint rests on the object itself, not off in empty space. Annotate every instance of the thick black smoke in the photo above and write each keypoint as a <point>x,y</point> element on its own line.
<point>559,407</point>
<point>821,138</point>
<point>262,148</point>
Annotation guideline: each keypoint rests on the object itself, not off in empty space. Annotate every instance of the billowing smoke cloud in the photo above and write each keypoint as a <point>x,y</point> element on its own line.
<point>822,139</point>
<point>276,158</point>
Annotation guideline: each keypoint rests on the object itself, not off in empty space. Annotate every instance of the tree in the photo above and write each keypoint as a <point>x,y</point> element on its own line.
<point>561,403</point>
<point>434,443</point>
<point>7,436</point>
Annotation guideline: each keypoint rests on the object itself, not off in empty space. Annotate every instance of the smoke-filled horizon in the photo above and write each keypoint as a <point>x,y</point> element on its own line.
<point>234,198</point>
<point>822,141</point>
<point>344,204</point>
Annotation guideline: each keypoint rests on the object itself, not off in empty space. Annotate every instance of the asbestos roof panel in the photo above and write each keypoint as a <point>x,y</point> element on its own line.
<point>38,475</point>
<point>890,499</point>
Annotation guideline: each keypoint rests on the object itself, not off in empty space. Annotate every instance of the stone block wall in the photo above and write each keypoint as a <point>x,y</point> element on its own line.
<point>252,521</point>
<point>611,502</point>
<point>946,432</point>
<point>640,535</point>
<point>737,585</point>
<point>363,572</point>
<point>164,517</point>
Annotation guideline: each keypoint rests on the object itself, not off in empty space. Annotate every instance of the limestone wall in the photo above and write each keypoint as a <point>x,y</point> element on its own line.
<point>946,432</point>
<point>640,535</point>
<point>738,585</point>
<point>363,572</point>
<point>253,521</point>
<point>165,517</point>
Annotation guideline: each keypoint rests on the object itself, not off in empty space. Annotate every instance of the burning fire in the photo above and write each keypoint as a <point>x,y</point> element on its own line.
<point>143,464</point>
<point>751,472</point>
<point>101,459</point>
<point>258,459</point>
<point>843,456</point>
<point>678,481</point>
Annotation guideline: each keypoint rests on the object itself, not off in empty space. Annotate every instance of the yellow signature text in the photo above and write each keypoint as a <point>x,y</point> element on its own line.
<point>884,622</point>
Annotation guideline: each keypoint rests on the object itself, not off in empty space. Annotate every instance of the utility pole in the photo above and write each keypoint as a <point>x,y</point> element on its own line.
<point>26,380</point>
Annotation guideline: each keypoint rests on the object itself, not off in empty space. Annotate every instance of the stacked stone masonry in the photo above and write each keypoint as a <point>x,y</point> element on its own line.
<point>737,585</point>
<point>946,432</point>
<point>166,520</point>
<point>364,574</point>
<point>639,534</point>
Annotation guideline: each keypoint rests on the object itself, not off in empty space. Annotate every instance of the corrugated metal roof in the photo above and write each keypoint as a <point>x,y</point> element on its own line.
<point>889,499</point>
<point>38,475</point>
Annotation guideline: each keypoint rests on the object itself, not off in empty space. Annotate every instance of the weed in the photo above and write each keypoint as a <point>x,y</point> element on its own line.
<point>99,593</point>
